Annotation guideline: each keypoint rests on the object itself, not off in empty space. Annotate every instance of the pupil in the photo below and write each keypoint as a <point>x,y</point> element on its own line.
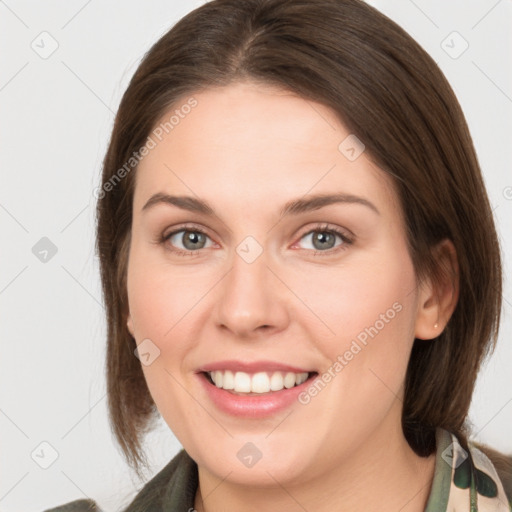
<point>193,238</point>
<point>323,238</point>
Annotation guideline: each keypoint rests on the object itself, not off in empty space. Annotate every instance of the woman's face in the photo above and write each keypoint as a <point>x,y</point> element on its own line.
<point>267,294</point>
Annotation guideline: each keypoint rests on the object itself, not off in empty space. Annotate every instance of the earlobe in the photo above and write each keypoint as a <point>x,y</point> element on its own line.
<point>438,294</point>
<point>427,318</point>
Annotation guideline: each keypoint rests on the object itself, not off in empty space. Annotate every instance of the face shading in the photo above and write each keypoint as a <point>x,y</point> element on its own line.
<point>269,273</point>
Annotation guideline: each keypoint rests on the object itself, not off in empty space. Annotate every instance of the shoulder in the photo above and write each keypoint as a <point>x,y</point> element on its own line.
<point>172,488</point>
<point>76,506</point>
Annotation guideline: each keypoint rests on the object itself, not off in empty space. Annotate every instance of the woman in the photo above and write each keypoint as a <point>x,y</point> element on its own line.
<point>300,267</point>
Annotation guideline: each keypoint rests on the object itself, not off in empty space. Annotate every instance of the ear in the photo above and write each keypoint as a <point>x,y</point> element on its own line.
<point>129,324</point>
<point>438,294</point>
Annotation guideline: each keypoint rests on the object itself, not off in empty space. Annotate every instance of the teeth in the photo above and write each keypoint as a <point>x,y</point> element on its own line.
<point>229,380</point>
<point>289,380</point>
<point>276,381</point>
<point>261,382</point>
<point>217,378</point>
<point>242,382</point>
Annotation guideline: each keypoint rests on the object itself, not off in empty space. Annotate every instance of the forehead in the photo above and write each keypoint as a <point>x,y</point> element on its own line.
<point>250,145</point>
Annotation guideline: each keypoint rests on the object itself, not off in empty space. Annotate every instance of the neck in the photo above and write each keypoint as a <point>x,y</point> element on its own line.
<point>383,474</point>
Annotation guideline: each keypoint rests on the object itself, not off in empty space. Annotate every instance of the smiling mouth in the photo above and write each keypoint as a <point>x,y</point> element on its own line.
<point>247,384</point>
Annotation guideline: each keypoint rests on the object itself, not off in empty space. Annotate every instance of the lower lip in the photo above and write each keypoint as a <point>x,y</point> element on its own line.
<point>252,406</point>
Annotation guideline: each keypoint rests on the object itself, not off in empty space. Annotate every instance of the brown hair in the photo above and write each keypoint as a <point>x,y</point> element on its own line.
<point>385,89</point>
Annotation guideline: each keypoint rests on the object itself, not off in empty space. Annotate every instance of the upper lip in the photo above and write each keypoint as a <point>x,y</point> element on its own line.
<point>252,367</point>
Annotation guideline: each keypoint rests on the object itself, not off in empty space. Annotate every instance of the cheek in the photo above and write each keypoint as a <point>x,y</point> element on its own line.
<point>161,301</point>
<point>366,358</point>
<point>161,296</point>
<point>358,301</point>
<point>367,323</point>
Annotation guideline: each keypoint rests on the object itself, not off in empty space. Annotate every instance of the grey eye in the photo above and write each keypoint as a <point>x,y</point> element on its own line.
<point>322,240</point>
<point>190,239</point>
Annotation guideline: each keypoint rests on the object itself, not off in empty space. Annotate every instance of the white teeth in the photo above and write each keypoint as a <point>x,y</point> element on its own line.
<point>289,380</point>
<point>229,380</point>
<point>242,382</point>
<point>303,377</point>
<point>276,381</point>
<point>261,382</point>
<point>217,377</point>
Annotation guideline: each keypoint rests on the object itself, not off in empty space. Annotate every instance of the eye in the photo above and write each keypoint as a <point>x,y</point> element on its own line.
<point>323,239</point>
<point>191,238</point>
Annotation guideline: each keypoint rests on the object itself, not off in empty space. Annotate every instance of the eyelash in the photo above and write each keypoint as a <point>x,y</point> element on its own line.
<point>324,228</point>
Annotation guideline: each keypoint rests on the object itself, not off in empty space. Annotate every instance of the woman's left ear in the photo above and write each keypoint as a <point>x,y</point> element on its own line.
<point>438,294</point>
<point>129,324</point>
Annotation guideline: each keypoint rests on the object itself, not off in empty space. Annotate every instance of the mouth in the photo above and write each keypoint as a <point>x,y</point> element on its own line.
<point>258,383</point>
<point>256,389</point>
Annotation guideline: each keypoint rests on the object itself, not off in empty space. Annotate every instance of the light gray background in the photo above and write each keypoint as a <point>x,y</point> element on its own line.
<point>56,117</point>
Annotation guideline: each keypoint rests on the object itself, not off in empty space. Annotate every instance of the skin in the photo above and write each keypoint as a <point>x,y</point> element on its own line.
<point>248,149</point>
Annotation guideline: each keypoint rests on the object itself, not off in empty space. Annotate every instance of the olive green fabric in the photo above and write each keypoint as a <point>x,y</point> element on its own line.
<point>463,482</point>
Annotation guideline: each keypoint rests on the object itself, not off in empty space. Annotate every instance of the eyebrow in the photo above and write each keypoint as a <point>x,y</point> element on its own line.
<point>293,207</point>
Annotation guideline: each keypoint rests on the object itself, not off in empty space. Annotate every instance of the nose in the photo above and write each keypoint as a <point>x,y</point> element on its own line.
<point>251,299</point>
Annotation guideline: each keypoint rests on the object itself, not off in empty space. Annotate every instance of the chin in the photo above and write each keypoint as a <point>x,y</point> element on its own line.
<point>256,461</point>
